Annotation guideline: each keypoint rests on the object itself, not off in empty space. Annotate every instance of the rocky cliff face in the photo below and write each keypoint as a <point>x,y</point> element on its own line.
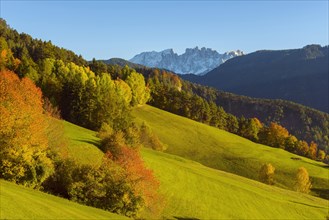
<point>196,61</point>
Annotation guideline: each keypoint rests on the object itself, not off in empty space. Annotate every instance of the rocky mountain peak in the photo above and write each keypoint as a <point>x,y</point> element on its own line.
<point>194,60</point>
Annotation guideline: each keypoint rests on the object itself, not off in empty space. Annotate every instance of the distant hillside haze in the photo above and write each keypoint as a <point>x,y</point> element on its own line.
<point>298,75</point>
<point>195,61</point>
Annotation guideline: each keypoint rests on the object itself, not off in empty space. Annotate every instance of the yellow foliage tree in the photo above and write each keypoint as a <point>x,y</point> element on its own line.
<point>303,183</point>
<point>266,174</point>
<point>140,92</point>
<point>312,150</point>
<point>23,139</point>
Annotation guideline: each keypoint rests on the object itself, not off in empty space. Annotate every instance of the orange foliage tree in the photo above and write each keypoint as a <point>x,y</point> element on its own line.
<point>23,139</point>
<point>275,135</point>
<point>142,178</point>
<point>122,147</point>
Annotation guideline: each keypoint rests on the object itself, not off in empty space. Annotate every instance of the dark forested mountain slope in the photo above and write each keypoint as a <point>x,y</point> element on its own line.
<point>298,75</point>
<point>121,62</point>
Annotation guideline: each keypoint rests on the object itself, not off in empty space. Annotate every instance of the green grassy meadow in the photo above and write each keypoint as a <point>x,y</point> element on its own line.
<point>195,191</point>
<point>82,142</point>
<point>192,190</point>
<point>222,150</point>
<point>18,202</point>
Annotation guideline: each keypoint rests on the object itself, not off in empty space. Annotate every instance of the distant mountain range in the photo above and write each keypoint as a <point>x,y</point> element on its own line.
<point>299,75</point>
<point>195,61</point>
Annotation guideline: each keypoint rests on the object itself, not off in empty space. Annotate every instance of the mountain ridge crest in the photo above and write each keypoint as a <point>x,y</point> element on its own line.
<point>193,61</point>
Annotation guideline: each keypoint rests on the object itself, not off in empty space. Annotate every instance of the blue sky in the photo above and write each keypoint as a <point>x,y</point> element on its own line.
<point>106,29</point>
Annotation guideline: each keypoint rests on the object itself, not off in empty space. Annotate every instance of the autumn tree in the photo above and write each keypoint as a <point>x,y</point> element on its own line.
<point>321,155</point>
<point>123,90</point>
<point>145,185</point>
<point>266,174</point>
<point>122,148</point>
<point>149,139</point>
<point>140,93</point>
<point>313,147</point>
<point>274,135</point>
<point>249,128</point>
<point>302,148</point>
<point>103,186</point>
<point>23,139</point>
<point>303,183</point>
<point>7,60</point>
<point>291,143</point>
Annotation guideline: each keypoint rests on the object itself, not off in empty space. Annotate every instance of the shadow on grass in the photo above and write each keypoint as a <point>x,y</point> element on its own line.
<point>301,203</point>
<point>185,218</point>
<point>323,193</point>
<point>318,165</point>
<point>96,143</point>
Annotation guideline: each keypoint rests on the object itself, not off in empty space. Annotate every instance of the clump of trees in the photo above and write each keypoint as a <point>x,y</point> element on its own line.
<point>24,148</point>
<point>33,151</point>
<point>266,174</point>
<point>89,100</point>
<point>121,185</point>
<point>122,147</point>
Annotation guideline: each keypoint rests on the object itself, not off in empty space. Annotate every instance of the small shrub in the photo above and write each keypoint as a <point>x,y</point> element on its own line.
<point>266,174</point>
<point>150,139</point>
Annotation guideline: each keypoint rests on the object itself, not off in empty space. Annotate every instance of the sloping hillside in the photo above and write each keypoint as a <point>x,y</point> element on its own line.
<point>18,202</point>
<point>195,191</point>
<point>192,190</point>
<point>228,152</point>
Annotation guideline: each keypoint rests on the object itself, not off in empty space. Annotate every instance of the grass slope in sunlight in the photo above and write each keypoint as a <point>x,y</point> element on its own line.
<point>195,191</point>
<point>18,202</point>
<point>222,150</point>
<point>81,145</point>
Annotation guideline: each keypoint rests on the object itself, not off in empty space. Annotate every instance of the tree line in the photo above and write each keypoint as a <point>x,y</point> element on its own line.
<point>172,94</point>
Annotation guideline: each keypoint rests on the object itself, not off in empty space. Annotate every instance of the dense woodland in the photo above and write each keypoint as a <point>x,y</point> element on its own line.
<point>39,81</point>
<point>305,123</point>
